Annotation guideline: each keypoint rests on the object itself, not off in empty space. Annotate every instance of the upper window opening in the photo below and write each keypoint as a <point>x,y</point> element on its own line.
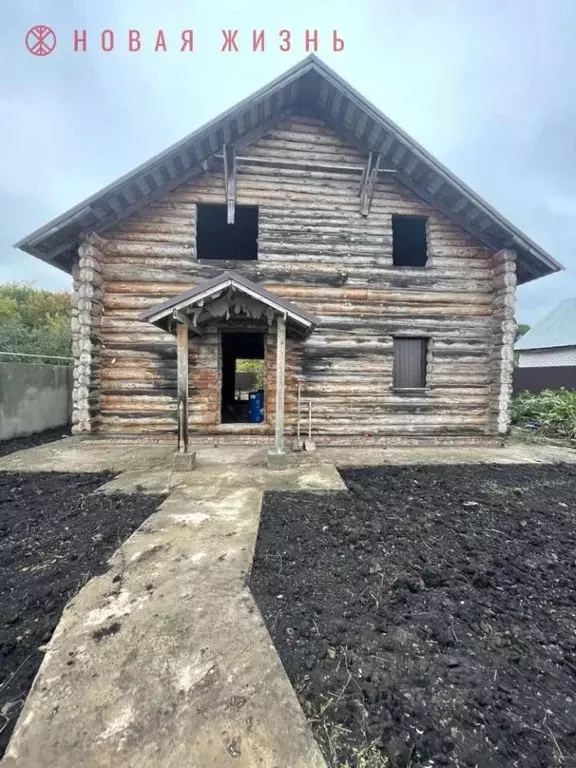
<point>215,239</point>
<point>409,246</point>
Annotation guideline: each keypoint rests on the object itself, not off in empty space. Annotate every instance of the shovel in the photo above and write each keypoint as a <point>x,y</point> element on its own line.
<point>309,444</point>
<point>298,444</point>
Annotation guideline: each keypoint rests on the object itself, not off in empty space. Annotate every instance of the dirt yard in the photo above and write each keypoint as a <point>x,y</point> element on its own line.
<point>54,536</point>
<point>428,617</point>
<point>31,441</point>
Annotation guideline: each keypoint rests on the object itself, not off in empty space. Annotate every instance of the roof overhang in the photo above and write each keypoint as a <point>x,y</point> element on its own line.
<point>310,87</point>
<point>194,307</point>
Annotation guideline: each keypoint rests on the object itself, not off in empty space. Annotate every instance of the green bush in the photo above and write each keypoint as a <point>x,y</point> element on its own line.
<point>554,409</point>
<point>34,321</point>
<point>257,367</point>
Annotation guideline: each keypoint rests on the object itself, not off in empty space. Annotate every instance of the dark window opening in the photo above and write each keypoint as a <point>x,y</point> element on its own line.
<point>243,377</point>
<point>409,246</point>
<point>410,363</point>
<point>215,239</point>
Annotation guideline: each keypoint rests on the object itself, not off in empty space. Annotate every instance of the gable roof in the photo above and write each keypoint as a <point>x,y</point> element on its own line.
<point>310,87</point>
<point>298,320</point>
<point>556,329</point>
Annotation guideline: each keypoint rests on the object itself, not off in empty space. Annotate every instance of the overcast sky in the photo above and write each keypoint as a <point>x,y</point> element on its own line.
<point>488,87</point>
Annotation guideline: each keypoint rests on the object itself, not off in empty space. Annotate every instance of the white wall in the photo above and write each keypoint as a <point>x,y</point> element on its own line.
<point>533,358</point>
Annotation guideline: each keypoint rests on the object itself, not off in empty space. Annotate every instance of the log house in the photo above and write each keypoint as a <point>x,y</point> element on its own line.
<point>305,229</point>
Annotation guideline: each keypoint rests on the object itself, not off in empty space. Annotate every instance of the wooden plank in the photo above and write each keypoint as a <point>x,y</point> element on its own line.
<point>302,165</point>
<point>368,182</point>
<point>182,373</point>
<point>280,381</point>
<point>230,181</point>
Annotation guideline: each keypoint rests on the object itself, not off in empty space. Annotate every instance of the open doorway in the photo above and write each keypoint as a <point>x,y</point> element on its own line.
<point>243,376</point>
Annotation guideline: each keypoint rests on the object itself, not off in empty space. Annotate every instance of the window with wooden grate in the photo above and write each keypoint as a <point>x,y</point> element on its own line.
<point>409,242</point>
<point>410,356</point>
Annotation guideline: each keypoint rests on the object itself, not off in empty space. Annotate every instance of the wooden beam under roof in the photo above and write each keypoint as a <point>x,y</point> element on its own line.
<point>230,181</point>
<point>385,144</point>
<point>184,319</point>
<point>404,179</point>
<point>368,182</point>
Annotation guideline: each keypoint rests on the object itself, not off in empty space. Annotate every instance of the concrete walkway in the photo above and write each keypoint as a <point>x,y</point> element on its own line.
<point>164,661</point>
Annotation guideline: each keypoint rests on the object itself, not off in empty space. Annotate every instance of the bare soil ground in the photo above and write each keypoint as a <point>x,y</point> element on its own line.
<point>31,441</point>
<point>55,534</point>
<point>428,617</point>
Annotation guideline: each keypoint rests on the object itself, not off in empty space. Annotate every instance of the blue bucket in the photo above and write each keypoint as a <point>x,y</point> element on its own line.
<point>256,407</point>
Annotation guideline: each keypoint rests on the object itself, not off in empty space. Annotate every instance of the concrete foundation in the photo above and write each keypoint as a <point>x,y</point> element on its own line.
<point>184,462</point>
<point>275,460</point>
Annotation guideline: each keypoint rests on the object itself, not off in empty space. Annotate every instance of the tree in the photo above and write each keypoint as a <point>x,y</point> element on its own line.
<point>34,321</point>
<point>521,329</point>
<point>257,367</point>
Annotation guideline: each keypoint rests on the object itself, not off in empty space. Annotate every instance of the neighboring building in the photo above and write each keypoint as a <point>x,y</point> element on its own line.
<point>552,341</point>
<point>304,228</point>
<point>546,354</point>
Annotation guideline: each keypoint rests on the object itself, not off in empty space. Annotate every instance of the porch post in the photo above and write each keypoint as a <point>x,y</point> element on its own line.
<point>280,374</point>
<point>182,357</point>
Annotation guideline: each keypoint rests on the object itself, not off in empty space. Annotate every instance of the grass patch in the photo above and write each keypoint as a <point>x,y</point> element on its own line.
<point>553,410</point>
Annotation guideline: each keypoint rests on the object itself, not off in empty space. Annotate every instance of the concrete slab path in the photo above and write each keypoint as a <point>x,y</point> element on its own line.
<point>164,661</point>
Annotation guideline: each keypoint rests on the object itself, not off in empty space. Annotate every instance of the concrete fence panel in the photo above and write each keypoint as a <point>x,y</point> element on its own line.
<point>33,398</point>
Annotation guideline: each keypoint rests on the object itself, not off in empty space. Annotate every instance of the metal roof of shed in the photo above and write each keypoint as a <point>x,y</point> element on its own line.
<point>556,329</point>
<point>310,87</point>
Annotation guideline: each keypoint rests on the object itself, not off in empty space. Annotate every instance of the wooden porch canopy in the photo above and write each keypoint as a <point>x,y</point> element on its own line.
<point>228,296</point>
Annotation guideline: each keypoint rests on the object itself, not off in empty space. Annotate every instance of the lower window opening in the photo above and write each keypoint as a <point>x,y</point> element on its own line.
<point>243,377</point>
<point>410,363</point>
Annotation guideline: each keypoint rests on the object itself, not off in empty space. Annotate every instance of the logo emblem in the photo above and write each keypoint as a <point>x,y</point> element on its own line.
<point>40,40</point>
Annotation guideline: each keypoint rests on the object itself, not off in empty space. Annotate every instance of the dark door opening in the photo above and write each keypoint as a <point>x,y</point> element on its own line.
<point>243,373</point>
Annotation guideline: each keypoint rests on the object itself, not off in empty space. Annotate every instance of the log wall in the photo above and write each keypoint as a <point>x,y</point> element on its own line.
<point>85,324</point>
<point>502,363</point>
<point>316,249</point>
